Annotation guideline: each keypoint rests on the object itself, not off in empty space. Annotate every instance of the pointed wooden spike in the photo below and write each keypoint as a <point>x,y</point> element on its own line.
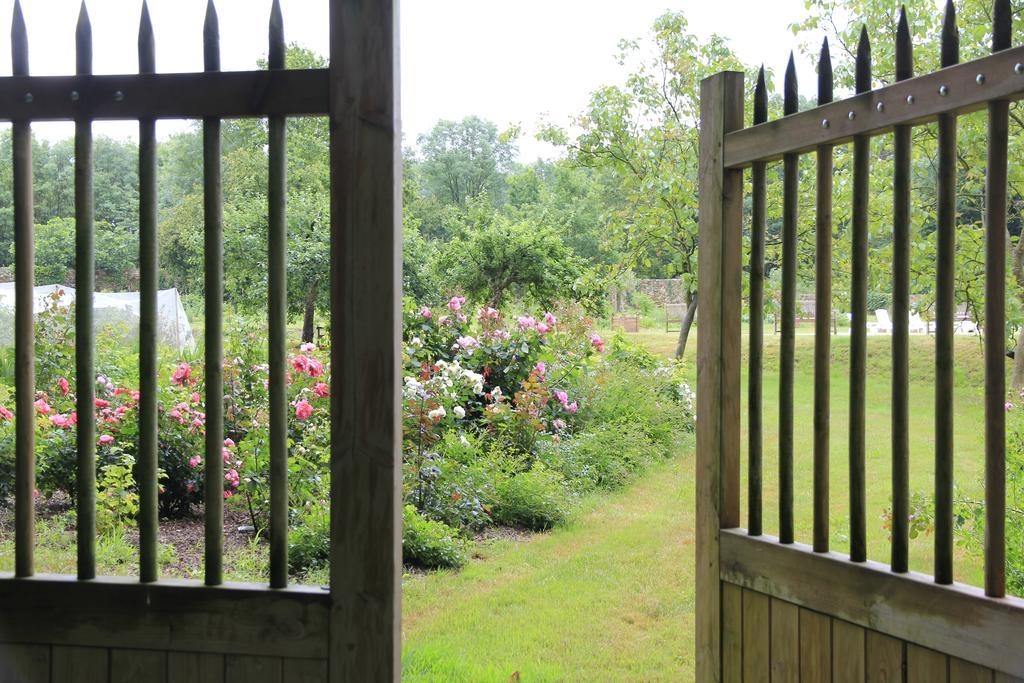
<point>862,80</point>
<point>790,101</point>
<point>19,42</point>
<point>83,42</point>
<point>904,48</point>
<point>147,42</point>
<point>950,37</point>
<point>211,39</point>
<point>1002,25</point>
<point>824,75</point>
<point>760,99</point>
<point>276,56</point>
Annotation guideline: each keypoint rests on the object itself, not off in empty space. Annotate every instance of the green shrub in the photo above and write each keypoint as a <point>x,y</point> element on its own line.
<point>309,544</point>
<point>535,499</point>
<point>430,544</point>
<point>607,458</point>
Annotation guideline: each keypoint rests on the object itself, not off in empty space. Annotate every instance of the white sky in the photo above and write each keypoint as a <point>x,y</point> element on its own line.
<point>513,63</point>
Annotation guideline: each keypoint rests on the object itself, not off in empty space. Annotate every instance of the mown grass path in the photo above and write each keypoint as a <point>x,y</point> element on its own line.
<point>607,598</point>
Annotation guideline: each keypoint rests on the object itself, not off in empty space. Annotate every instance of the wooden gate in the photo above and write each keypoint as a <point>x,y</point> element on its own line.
<point>774,609</point>
<point>89,628</point>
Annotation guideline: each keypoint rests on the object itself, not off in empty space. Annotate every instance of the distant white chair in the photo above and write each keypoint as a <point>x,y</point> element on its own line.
<point>884,322</point>
<point>917,325</point>
<point>965,326</point>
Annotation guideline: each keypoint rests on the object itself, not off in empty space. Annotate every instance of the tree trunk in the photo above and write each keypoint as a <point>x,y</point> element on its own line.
<point>684,328</point>
<point>309,318</point>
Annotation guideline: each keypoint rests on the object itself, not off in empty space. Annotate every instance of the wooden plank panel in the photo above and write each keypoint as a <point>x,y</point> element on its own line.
<point>173,615</point>
<point>926,666</point>
<point>756,637</point>
<point>1007,678</point>
<point>958,620</point>
<point>80,665</point>
<point>305,671</point>
<point>247,669</point>
<point>785,642</point>
<point>848,652</point>
<point>803,132</point>
<point>131,666</point>
<point>962,671</point>
<point>195,667</point>
<point>815,647</point>
<point>884,656</point>
<point>732,633</point>
<point>229,94</point>
<point>19,663</point>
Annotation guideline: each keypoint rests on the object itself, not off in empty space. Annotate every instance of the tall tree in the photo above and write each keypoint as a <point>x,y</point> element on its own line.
<point>464,159</point>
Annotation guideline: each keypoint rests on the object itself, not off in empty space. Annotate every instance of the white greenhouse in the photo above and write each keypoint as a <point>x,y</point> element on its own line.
<point>173,328</point>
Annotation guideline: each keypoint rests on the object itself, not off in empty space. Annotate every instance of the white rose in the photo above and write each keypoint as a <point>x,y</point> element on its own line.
<point>459,411</point>
<point>437,414</point>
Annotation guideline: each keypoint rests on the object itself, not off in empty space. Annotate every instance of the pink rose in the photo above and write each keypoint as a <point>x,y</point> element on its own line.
<point>303,410</point>
<point>315,368</point>
<point>196,398</point>
<point>42,407</point>
<point>550,318</point>
<point>455,303</point>
<point>182,374</point>
<point>562,397</point>
<point>100,403</point>
<point>597,343</point>
<point>106,440</point>
<point>195,461</point>
<point>64,386</point>
<point>229,443</point>
<point>6,414</point>
<point>572,407</point>
<point>541,368</point>
<point>426,313</point>
<point>300,363</point>
<point>60,421</point>
<point>307,347</point>
<point>322,390</point>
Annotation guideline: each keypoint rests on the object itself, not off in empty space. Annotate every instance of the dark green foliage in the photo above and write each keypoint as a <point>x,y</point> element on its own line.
<point>536,499</point>
<point>430,544</point>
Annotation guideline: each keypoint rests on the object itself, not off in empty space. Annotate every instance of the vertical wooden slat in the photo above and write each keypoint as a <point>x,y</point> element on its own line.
<point>859,317</point>
<point>945,308</point>
<point>147,465</point>
<point>732,633</point>
<point>85,343</point>
<point>80,665</point>
<point>785,642</point>
<point>134,666</point>
<point>961,671</point>
<point>304,671</point>
<point>926,666</point>
<point>755,433</point>
<point>214,307</point>
<point>756,637</point>
<point>24,331</point>
<point>995,322</point>
<point>366,246</point>
<point>900,316</point>
<point>848,652</point>
<point>248,669</point>
<point>720,224</point>
<point>822,315</point>
<point>790,197</point>
<point>277,299</point>
<point>24,663</point>
<point>884,656</point>
<point>194,667</point>
<point>815,647</point>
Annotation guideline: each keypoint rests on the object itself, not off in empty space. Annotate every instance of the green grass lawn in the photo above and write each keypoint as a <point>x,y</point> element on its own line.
<point>611,596</point>
<point>608,598</point>
<point>968,436</point>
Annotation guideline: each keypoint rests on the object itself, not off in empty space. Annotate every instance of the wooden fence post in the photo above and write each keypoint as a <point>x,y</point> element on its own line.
<point>718,355</point>
<point>366,251</point>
